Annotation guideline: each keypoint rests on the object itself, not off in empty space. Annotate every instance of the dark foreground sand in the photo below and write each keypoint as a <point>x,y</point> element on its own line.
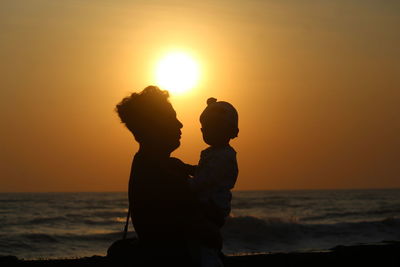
<point>383,254</point>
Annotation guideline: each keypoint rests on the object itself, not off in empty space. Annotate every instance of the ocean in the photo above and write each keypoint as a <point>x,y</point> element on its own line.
<point>69,225</point>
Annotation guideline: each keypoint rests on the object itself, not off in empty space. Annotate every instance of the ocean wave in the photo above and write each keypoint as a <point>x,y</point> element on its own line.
<point>241,234</point>
<point>277,234</point>
<point>72,219</point>
<point>256,231</point>
<point>96,237</point>
<point>46,220</point>
<point>254,203</point>
<point>339,215</point>
<point>38,237</point>
<point>10,244</point>
<point>104,222</point>
<point>83,224</point>
<point>97,214</point>
<point>109,214</point>
<point>42,238</point>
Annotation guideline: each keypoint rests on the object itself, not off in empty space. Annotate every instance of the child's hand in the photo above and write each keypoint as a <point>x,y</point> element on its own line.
<point>180,166</point>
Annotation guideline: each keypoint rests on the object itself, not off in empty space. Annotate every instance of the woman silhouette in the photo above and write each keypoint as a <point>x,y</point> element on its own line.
<point>164,211</point>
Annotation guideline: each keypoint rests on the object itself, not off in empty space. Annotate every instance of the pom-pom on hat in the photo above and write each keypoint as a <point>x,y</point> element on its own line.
<point>221,110</point>
<point>211,100</point>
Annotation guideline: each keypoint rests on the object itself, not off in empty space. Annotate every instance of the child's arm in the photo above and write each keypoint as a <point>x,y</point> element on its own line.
<point>183,167</point>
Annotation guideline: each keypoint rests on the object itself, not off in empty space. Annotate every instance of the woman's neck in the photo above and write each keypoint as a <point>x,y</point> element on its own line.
<point>149,151</point>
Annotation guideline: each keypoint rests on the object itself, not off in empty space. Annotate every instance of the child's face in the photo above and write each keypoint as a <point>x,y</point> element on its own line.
<point>215,133</point>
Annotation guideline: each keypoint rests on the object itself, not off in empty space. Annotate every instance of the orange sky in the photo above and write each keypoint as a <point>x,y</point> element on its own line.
<point>316,84</point>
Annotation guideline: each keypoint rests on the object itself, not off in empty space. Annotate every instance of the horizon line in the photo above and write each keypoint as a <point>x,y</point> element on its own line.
<point>244,190</point>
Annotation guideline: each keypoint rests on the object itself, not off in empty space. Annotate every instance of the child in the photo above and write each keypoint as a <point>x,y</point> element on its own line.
<point>217,171</point>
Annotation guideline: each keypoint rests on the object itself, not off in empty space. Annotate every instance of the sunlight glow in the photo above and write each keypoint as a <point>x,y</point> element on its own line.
<point>177,72</point>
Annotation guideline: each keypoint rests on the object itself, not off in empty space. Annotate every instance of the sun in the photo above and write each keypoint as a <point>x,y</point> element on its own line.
<point>177,72</point>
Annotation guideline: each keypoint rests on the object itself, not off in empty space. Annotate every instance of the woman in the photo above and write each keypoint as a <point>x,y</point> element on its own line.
<point>164,211</point>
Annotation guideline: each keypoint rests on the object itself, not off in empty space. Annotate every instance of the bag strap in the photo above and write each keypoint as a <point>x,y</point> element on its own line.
<point>127,223</point>
<point>129,205</point>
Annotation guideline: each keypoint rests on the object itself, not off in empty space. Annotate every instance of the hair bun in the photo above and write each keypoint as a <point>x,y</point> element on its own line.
<point>211,100</point>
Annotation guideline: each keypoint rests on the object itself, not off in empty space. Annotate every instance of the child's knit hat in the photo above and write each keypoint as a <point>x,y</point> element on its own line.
<point>221,110</point>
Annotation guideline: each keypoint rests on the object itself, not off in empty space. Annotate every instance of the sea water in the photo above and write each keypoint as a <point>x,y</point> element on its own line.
<point>65,225</point>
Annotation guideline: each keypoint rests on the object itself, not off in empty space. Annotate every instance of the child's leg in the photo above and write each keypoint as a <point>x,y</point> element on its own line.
<point>210,257</point>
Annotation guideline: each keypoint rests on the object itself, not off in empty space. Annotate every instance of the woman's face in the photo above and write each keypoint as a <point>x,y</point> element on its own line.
<point>171,129</point>
<point>165,130</point>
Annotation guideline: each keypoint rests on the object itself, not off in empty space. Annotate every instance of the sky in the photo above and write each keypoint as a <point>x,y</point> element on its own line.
<point>316,85</point>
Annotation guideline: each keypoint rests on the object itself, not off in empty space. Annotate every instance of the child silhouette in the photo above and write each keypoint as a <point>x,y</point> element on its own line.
<point>217,170</point>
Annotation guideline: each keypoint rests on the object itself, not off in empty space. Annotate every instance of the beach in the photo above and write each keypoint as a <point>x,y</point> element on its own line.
<point>385,254</point>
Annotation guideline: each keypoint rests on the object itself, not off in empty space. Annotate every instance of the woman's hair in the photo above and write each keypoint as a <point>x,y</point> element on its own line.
<point>140,110</point>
